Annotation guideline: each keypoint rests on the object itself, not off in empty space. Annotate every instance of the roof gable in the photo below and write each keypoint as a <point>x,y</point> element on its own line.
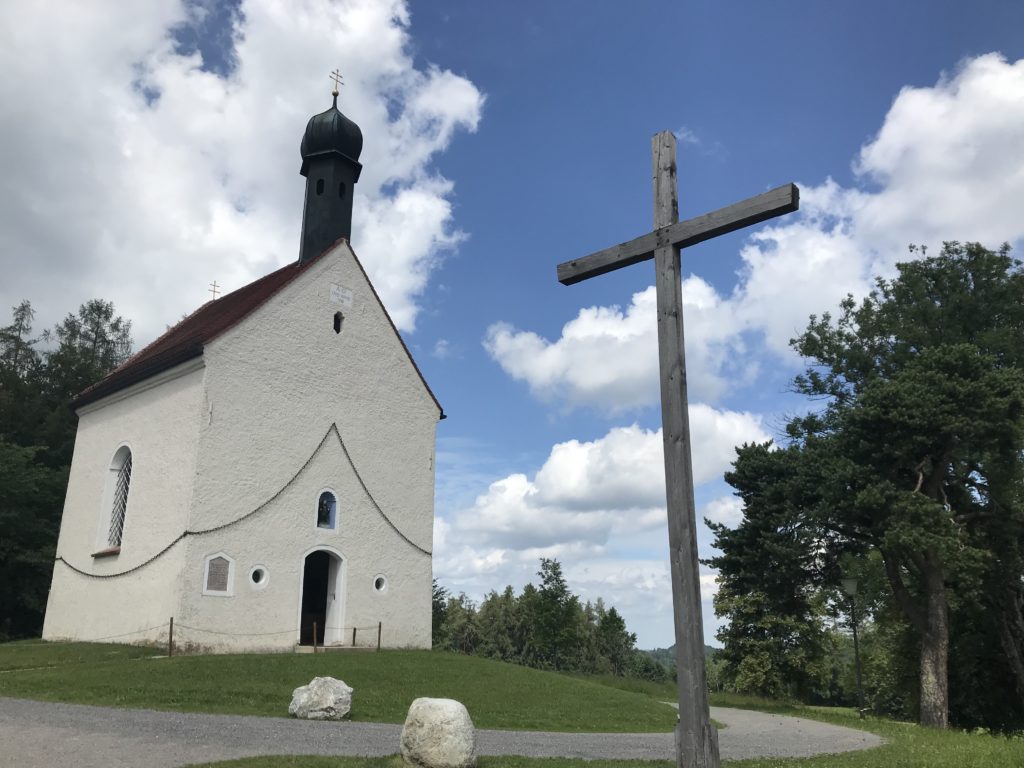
<point>188,338</point>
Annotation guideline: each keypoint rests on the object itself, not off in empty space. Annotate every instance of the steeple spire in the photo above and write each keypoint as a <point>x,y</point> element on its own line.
<point>330,162</point>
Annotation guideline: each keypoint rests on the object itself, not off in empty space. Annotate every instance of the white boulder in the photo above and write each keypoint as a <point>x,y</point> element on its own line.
<point>438,734</point>
<point>323,699</point>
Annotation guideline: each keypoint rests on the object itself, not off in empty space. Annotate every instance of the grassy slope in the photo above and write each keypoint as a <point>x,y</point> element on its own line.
<point>497,695</point>
<point>30,654</point>
<point>909,745</point>
<point>396,762</point>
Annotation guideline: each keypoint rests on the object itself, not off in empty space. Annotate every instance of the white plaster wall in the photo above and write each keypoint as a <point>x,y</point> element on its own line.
<point>278,537</point>
<point>160,423</point>
<point>275,383</point>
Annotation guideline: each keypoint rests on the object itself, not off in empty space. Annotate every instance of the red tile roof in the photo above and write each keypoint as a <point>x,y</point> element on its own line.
<point>188,338</point>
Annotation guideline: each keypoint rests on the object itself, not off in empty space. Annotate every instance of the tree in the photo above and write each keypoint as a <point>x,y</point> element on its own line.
<point>556,616</point>
<point>547,628</point>
<point>37,432</point>
<point>30,496</point>
<point>461,630</point>
<point>614,641</point>
<point>500,626</point>
<point>438,609</point>
<point>90,344</point>
<point>17,355</point>
<point>20,386</point>
<point>921,437</point>
<point>768,574</point>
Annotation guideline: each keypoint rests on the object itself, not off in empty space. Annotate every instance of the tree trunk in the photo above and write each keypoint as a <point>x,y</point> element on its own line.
<point>1012,636</point>
<point>935,650</point>
<point>932,624</point>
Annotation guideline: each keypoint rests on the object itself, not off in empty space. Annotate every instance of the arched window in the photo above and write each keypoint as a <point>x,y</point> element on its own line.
<point>121,475</point>
<point>327,511</point>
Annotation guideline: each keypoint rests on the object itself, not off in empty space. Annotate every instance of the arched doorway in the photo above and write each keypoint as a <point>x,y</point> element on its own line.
<point>321,598</point>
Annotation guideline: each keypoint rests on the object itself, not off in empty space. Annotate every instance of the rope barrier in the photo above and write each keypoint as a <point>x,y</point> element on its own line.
<point>292,631</point>
<point>202,532</point>
<point>178,627</point>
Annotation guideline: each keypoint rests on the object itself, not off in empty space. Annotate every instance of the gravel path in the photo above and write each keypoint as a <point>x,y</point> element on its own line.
<point>37,734</point>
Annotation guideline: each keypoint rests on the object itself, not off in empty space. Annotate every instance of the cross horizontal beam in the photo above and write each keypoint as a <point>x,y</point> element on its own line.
<point>753,210</point>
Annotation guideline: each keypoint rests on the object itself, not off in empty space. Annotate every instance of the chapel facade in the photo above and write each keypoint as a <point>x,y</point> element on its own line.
<point>264,471</point>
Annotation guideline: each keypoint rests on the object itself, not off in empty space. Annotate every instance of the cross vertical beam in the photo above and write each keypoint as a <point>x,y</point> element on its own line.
<point>696,737</point>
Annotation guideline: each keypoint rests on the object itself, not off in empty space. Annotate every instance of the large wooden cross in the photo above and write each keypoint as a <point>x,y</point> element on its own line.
<point>696,737</point>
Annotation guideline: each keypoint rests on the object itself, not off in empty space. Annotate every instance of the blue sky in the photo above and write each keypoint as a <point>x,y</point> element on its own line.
<point>502,139</point>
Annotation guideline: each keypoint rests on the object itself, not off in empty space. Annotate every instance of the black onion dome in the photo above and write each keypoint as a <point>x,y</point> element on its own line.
<point>329,132</point>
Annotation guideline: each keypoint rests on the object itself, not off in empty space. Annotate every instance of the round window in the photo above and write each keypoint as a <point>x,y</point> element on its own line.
<point>380,584</point>
<point>259,576</point>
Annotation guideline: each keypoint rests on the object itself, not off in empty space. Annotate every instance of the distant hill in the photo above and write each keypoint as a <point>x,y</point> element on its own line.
<point>667,656</point>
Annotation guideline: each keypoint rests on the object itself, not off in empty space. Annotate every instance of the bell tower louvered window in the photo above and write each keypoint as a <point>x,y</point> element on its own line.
<point>121,467</point>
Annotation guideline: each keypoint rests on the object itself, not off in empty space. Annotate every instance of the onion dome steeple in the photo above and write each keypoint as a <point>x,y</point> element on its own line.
<point>330,162</point>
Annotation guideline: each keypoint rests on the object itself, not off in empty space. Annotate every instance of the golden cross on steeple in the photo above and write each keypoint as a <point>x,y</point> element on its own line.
<point>336,77</point>
<point>214,288</point>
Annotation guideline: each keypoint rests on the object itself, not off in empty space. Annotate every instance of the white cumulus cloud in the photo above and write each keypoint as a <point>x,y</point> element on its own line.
<point>725,510</point>
<point>588,492</point>
<point>607,357</point>
<point>946,164</point>
<point>151,175</point>
<point>599,507</point>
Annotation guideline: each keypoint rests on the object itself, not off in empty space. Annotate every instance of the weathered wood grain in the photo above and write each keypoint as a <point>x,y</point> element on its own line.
<point>696,738</point>
<point>682,234</point>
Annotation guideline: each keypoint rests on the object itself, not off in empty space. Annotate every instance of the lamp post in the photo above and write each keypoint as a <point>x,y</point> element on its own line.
<point>850,588</point>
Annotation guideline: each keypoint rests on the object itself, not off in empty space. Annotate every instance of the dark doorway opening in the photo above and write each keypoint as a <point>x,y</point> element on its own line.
<point>315,588</point>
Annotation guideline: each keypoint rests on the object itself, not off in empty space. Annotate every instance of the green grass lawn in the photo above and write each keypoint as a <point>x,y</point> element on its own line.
<point>396,762</point>
<point>659,691</point>
<point>497,695</point>
<point>908,745</point>
<point>35,653</point>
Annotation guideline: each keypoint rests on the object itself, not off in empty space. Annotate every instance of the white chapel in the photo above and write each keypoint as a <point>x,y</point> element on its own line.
<point>264,468</point>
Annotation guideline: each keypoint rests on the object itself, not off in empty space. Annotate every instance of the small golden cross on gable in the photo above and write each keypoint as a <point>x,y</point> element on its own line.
<point>336,77</point>
<point>213,288</point>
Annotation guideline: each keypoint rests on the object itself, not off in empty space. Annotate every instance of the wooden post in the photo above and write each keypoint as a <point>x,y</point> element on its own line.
<point>696,737</point>
<point>314,637</point>
<point>353,637</point>
<point>379,625</point>
<point>856,656</point>
<point>170,639</point>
